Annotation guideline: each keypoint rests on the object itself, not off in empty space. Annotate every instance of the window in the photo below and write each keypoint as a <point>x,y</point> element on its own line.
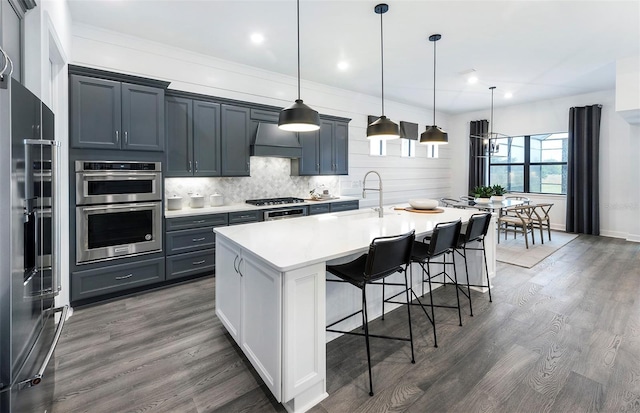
<point>531,163</point>
<point>432,150</point>
<point>408,148</point>
<point>377,147</point>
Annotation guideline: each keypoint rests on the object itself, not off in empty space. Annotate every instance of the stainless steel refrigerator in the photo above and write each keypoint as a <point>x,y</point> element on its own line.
<point>30,324</point>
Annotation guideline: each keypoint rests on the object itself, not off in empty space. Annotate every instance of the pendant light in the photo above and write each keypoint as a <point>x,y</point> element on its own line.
<point>299,117</point>
<point>382,128</point>
<point>492,147</point>
<point>434,135</point>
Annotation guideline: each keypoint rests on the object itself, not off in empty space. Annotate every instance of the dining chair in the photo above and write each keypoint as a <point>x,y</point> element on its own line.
<point>517,219</point>
<point>541,219</point>
<point>450,202</point>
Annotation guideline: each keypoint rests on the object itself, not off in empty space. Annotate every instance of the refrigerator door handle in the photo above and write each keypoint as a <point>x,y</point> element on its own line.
<point>37,378</point>
<point>55,276</point>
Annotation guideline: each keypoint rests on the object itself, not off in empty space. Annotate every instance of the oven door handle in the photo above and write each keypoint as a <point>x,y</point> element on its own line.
<point>129,207</point>
<point>37,378</point>
<point>129,175</point>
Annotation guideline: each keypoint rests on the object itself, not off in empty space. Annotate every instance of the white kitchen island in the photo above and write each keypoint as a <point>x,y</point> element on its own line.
<point>272,298</point>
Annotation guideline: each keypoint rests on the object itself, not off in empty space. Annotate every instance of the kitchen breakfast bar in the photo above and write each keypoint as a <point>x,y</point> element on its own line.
<point>272,297</point>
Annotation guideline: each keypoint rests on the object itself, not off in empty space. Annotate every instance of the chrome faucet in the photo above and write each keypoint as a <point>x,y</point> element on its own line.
<point>379,189</point>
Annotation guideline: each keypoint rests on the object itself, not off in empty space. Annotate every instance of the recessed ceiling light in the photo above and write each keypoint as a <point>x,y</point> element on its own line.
<point>472,79</point>
<point>342,65</point>
<point>257,38</point>
<point>508,95</point>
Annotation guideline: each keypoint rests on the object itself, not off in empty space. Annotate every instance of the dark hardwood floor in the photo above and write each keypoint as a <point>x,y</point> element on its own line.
<point>563,336</point>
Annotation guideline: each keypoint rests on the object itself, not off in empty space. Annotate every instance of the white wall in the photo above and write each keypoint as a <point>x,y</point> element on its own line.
<point>619,156</point>
<point>403,178</point>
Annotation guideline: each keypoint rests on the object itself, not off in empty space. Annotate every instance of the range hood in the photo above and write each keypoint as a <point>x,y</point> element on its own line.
<point>273,141</point>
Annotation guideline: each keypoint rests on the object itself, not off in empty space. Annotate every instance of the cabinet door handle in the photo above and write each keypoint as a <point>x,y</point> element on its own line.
<point>248,166</point>
<point>126,137</point>
<point>189,167</point>
<point>198,239</point>
<point>124,277</point>
<point>239,264</point>
<point>234,264</point>
<point>196,166</point>
<point>198,262</point>
<point>117,136</point>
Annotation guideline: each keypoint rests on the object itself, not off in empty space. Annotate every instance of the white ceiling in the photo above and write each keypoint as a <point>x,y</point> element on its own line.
<point>535,49</point>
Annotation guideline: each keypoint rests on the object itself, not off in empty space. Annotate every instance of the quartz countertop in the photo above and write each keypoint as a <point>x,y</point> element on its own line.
<point>294,243</point>
<point>188,211</point>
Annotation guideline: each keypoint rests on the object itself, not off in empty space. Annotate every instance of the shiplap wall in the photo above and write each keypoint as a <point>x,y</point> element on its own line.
<point>403,178</point>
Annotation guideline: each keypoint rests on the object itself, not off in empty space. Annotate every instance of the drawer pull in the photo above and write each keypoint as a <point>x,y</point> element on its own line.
<point>199,222</point>
<point>199,262</point>
<point>198,239</point>
<point>124,277</point>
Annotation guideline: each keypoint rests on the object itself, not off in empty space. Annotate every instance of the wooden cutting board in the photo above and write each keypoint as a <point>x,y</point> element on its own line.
<point>422,211</point>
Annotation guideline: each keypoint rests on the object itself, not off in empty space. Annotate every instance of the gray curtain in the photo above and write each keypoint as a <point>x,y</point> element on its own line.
<point>477,156</point>
<point>583,194</point>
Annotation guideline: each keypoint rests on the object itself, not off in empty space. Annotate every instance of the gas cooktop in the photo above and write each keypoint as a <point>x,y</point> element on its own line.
<point>274,201</point>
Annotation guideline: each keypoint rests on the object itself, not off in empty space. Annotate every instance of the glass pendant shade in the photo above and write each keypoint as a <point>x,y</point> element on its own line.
<point>383,128</point>
<point>434,136</point>
<point>299,118</point>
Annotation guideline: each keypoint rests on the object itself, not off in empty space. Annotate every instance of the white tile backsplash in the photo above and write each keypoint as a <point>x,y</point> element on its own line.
<point>270,178</point>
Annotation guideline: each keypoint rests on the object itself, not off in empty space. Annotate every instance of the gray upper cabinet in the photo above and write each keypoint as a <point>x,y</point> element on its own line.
<point>324,152</point>
<point>95,113</point>
<point>193,137</point>
<point>179,131</point>
<point>142,118</point>
<point>236,140</point>
<point>107,114</point>
<point>309,163</point>
<point>206,138</point>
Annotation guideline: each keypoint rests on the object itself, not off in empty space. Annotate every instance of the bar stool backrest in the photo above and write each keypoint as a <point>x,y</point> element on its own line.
<point>444,237</point>
<point>388,255</point>
<point>477,227</point>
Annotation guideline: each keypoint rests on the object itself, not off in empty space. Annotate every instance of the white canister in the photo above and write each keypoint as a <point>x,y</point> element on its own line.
<point>216,199</point>
<point>197,201</point>
<point>174,203</point>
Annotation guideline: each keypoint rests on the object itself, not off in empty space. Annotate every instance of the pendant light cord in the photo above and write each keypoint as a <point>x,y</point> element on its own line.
<point>298,28</point>
<point>434,82</point>
<point>382,61</point>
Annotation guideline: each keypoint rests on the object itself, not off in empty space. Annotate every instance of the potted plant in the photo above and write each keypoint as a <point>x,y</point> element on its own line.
<point>498,192</point>
<point>483,194</point>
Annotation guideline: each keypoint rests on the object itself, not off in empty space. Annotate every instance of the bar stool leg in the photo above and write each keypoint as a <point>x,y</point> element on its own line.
<point>366,337</point>
<point>383,299</point>
<point>486,269</point>
<point>406,284</point>
<point>455,280</point>
<point>466,268</point>
<point>433,314</point>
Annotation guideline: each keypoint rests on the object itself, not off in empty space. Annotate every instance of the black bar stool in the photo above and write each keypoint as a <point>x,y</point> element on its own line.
<point>440,244</point>
<point>386,256</point>
<point>477,229</point>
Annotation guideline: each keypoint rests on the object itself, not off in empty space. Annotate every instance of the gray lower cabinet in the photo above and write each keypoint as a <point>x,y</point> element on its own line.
<point>107,114</point>
<point>192,263</point>
<point>114,278</point>
<point>244,217</point>
<point>319,209</point>
<point>190,244</point>
<point>344,206</point>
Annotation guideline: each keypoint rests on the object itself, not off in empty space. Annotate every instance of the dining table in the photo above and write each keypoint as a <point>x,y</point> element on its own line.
<point>492,206</point>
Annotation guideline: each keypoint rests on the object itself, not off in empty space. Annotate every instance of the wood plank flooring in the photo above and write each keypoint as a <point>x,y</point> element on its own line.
<point>563,336</point>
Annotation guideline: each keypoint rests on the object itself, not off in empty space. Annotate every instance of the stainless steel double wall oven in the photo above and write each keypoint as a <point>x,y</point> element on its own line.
<point>118,209</point>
